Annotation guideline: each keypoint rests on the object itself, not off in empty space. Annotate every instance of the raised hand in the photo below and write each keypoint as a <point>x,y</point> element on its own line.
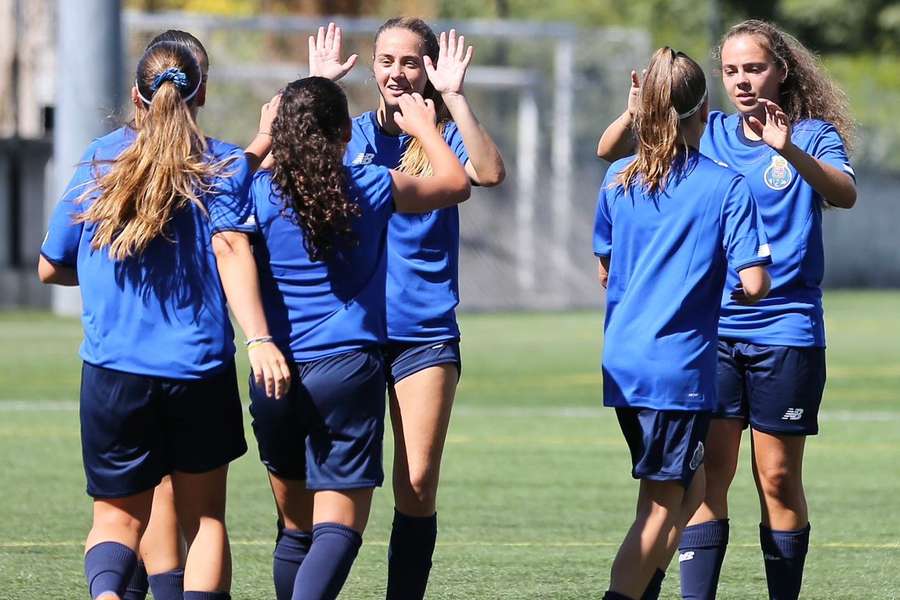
<point>775,131</point>
<point>453,59</point>
<point>634,93</point>
<point>416,116</point>
<point>325,54</point>
<point>268,113</point>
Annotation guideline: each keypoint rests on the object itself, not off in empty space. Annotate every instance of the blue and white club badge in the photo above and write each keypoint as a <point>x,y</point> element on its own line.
<point>778,175</point>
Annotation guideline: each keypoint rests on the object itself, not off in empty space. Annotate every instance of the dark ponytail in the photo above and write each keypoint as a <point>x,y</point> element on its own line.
<point>308,139</point>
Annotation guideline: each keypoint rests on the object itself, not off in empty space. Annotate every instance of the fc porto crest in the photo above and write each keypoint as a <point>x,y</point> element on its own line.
<point>778,175</point>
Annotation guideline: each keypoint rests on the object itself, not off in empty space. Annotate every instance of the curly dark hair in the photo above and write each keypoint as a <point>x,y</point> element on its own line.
<point>807,91</point>
<point>308,139</point>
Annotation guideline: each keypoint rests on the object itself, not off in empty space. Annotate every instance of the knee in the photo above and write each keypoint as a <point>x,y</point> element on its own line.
<point>779,483</point>
<point>421,489</point>
<point>121,521</point>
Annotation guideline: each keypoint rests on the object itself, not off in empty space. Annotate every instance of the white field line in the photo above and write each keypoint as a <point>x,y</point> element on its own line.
<point>462,410</point>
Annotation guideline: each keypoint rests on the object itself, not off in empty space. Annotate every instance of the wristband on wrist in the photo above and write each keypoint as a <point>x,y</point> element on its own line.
<point>258,341</point>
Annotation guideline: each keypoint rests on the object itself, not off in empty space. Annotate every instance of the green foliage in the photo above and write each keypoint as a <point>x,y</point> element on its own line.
<point>842,25</point>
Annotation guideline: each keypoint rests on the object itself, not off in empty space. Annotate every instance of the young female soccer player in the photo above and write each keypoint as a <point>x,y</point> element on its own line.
<point>788,139</point>
<point>322,230</point>
<point>422,354</point>
<point>158,394</point>
<point>669,223</point>
<point>161,554</point>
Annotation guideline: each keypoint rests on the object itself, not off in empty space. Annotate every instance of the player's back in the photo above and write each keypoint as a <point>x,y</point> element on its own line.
<point>669,252</point>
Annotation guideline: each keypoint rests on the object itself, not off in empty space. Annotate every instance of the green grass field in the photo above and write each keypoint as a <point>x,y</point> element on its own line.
<point>536,493</point>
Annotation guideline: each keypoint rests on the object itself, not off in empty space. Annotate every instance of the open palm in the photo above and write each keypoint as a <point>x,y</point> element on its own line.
<point>325,54</point>
<point>776,130</point>
<point>453,59</point>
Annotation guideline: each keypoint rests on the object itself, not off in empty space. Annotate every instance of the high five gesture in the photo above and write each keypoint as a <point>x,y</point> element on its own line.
<point>453,59</point>
<point>325,54</point>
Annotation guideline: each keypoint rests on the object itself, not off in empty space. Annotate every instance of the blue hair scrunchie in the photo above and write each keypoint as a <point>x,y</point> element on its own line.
<point>173,74</point>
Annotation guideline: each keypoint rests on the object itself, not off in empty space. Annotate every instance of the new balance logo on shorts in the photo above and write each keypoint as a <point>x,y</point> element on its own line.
<point>792,414</point>
<point>689,555</point>
<point>363,159</point>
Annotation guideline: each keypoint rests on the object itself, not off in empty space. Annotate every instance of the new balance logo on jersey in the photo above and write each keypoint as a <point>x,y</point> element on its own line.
<point>689,555</point>
<point>792,414</point>
<point>363,159</point>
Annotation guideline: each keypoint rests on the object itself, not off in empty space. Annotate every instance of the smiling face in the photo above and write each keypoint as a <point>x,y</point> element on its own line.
<point>398,65</point>
<point>749,72</point>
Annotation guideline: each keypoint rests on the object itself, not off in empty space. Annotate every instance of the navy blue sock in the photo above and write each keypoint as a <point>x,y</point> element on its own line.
<point>409,556</point>
<point>168,585</point>
<point>784,553</point>
<point>108,567</point>
<point>207,596</point>
<point>137,586</point>
<point>655,585</point>
<point>615,596</point>
<point>700,555</point>
<point>291,547</point>
<point>328,562</point>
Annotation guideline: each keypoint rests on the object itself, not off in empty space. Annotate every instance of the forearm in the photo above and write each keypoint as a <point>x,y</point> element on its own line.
<point>484,155</point>
<point>835,186</point>
<point>258,149</point>
<point>617,141</point>
<point>240,280</point>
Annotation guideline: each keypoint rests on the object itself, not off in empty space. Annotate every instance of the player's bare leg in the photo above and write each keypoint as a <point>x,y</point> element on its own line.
<point>120,521</point>
<point>784,530</point>
<point>420,416</point>
<point>162,547</point>
<point>778,471</point>
<point>645,546</point>
<point>200,501</point>
<point>723,444</point>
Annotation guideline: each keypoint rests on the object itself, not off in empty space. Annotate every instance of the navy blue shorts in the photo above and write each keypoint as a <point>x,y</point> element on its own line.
<point>402,359</point>
<point>774,389</point>
<point>665,445</point>
<point>135,429</point>
<point>329,428</point>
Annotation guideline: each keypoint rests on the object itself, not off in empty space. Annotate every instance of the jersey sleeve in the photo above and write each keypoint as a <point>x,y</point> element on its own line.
<point>743,234</point>
<point>830,149</point>
<point>374,185</point>
<point>603,219</point>
<point>455,141</point>
<point>229,203</point>
<point>63,237</point>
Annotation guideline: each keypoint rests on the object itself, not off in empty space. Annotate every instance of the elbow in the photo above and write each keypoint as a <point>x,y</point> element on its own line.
<point>225,245</point>
<point>849,199</point>
<point>495,178</point>
<point>759,289</point>
<point>465,192</point>
<point>462,189</point>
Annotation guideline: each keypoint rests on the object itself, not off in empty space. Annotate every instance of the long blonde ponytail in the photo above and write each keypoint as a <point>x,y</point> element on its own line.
<point>166,168</point>
<point>673,89</point>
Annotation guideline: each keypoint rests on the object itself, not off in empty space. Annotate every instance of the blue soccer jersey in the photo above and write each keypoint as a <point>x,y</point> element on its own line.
<point>422,250</point>
<point>161,313</point>
<point>316,309</point>
<point>668,259</point>
<point>791,210</point>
